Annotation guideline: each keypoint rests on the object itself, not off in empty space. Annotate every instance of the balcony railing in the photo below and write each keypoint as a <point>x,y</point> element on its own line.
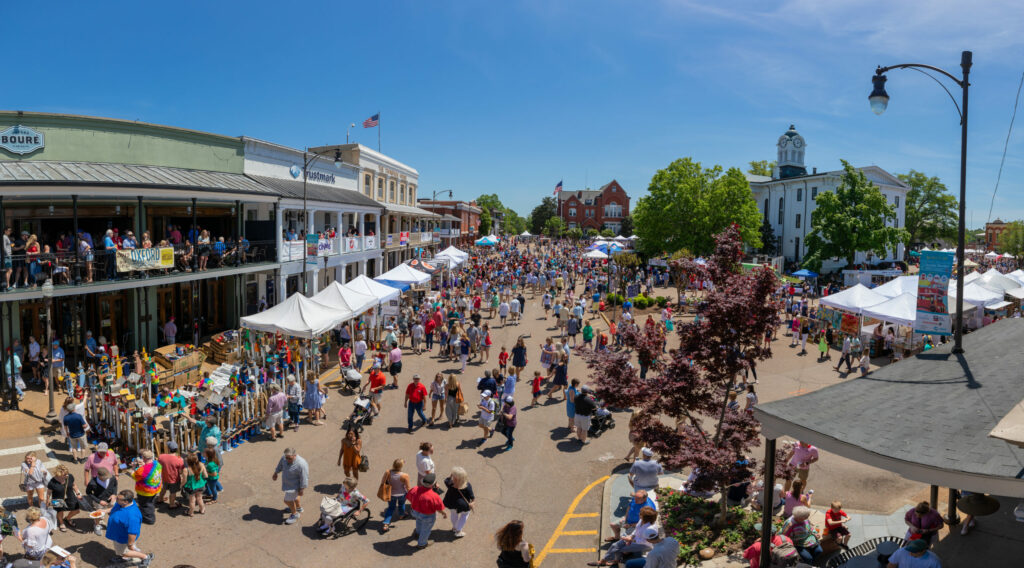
<point>92,266</point>
<point>295,250</point>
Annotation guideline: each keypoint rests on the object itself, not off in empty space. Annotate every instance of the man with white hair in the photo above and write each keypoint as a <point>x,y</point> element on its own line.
<point>644,472</point>
<point>294,472</point>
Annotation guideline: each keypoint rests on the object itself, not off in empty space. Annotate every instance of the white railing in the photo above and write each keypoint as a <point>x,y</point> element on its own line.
<point>370,242</point>
<point>291,250</point>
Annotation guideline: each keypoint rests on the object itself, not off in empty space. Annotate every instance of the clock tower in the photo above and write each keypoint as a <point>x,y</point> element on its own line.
<point>791,154</point>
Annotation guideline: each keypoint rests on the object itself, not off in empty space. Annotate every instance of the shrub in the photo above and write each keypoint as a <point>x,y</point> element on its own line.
<point>690,521</point>
<point>613,299</point>
<point>662,301</point>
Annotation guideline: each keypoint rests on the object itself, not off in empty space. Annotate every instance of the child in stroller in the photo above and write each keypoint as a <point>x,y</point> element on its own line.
<point>601,421</point>
<point>362,414</point>
<point>344,513</point>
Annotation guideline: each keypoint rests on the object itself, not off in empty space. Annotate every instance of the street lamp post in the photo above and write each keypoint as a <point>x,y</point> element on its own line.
<point>48,296</point>
<point>879,101</point>
<point>308,160</point>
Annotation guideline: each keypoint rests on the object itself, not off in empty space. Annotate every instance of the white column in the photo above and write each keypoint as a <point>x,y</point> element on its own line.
<point>279,227</point>
<point>282,288</point>
<point>362,267</point>
<point>339,273</point>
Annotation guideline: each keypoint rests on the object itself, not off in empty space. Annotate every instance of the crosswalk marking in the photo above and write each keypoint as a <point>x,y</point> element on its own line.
<point>39,448</point>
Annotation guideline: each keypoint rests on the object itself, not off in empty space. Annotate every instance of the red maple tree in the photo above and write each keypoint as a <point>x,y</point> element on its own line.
<point>691,385</point>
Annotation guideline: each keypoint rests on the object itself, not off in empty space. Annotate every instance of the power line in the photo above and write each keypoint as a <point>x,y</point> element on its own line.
<point>1005,146</point>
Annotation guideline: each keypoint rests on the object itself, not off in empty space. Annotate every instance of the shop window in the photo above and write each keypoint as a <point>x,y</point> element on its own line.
<point>380,189</point>
<point>391,191</point>
<point>368,185</point>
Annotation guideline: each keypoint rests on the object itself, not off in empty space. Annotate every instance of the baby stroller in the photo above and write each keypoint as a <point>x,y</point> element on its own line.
<point>601,421</point>
<point>351,380</point>
<point>362,414</point>
<point>342,518</point>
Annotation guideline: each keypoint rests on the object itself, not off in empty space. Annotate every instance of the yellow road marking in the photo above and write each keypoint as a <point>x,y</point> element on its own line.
<point>569,513</point>
<point>579,533</point>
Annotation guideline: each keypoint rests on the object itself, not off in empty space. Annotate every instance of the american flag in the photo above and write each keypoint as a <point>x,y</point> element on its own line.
<point>558,187</point>
<point>372,121</point>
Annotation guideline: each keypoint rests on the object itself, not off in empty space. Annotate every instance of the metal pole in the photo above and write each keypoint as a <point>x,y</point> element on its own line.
<point>933,497</point>
<point>52,414</point>
<point>768,502</point>
<point>238,232</point>
<point>195,236</point>
<point>958,333</point>
<point>5,387</point>
<point>952,518</point>
<point>77,277</point>
<point>305,221</point>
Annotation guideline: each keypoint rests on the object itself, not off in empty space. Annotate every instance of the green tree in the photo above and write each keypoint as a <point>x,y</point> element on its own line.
<point>769,243</point>
<point>574,233</point>
<point>627,228</point>
<point>513,223</point>
<point>554,227</point>
<point>591,232</point>
<point>851,219</point>
<point>485,221</point>
<point>688,205</point>
<point>1011,240</point>
<point>547,209</point>
<point>931,211</point>
<point>761,168</point>
<point>607,233</point>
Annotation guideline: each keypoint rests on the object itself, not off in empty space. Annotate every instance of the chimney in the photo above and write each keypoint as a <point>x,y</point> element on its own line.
<point>815,170</point>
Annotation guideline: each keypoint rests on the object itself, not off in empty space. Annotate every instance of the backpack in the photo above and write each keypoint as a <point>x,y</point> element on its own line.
<point>784,555</point>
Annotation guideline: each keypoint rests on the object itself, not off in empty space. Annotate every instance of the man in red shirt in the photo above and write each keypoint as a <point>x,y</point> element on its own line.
<point>753,552</point>
<point>171,467</point>
<point>377,381</point>
<point>415,394</point>
<point>426,504</point>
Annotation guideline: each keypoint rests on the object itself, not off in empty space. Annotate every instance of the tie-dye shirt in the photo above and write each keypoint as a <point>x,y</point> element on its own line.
<point>148,479</point>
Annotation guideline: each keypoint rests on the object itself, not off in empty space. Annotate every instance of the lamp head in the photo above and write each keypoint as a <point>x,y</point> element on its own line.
<point>878,97</point>
<point>337,158</point>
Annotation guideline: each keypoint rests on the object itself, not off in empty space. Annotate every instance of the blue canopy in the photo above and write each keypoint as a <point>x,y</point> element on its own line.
<point>403,286</point>
<point>486,241</point>
<point>804,273</point>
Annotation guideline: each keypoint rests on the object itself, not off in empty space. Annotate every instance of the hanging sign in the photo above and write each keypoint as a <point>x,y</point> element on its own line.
<point>145,259</point>
<point>312,244</point>
<point>933,293</point>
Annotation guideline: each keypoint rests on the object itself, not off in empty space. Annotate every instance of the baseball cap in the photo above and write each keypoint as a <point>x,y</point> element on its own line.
<point>102,447</point>
<point>428,480</point>
<point>918,545</point>
<point>647,452</point>
<point>173,446</point>
<point>509,399</point>
<point>485,394</point>
<point>651,533</point>
<point>415,377</point>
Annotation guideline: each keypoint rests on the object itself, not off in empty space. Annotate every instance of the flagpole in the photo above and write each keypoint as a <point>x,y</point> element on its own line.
<point>378,131</point>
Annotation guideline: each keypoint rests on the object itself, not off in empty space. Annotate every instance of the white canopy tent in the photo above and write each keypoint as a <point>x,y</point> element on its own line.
<point>854,299</point>
<point>596,254</point>
<point>1017,275</point>
<point>454,253</point>
<point>405,274</point>
<point>996,282</point>
<point>991,254</point>
<point>337,296</point>
<point>525,234</point>
<point>298,316</point>
<point>898,286</point>
<point>365,285</point>
<point>978,295</point>
<point>901,309</point>
<point>998,305</point>
<point>967,279</point>
<point>1016,293</point>
<point>621,238</point>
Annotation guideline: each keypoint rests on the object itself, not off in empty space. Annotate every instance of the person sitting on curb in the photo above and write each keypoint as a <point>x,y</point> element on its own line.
<point>629,522</point>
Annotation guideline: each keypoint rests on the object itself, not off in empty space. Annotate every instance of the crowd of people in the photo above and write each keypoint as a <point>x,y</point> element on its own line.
<point>456,322</point>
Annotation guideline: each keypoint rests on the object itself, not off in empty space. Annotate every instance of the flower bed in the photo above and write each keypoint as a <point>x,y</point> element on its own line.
<point>689,520</point>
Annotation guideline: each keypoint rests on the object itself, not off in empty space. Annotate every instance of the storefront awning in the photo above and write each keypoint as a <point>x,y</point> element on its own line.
<point>407,210</point>
<point>927,418</point>
<point>315,192</point>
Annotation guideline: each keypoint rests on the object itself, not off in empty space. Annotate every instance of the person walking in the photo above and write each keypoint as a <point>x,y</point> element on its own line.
<point>276,403</point>
<point>294,472</point>
<point>424,461</point>
<point>149,483</point>
<point>294,393</point>
<point>519,356</point>
<point>415,394</point>
<point>395,367</point>
<point>124,526</point>
<point>437,398</point>
<point>34,478</point>
<point>487,408</point>
<point>313,400</point>
<point>213,467</point>
<point>514,551</point>
<point>426,504</point>
<point>171,468</point>
<point>398,482</point>
<point>586,406</point>
<point>194,485</point>
<point>64,496</point>
<point>844,354</point>
<point>458,498</point>
<point>453,400</point>
<point>509,420</point>
<point>351,454</point>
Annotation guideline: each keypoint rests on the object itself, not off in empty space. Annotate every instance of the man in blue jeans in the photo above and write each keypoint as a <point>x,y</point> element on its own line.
<point>663,555</point>
<point>415,394</point>
<point>426,504</point>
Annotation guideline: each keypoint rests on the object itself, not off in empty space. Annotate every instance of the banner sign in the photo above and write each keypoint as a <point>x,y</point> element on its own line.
<point>351,244</point>
<point>312,244</point>
<point>933,293</point>
<point>325,247</point>
<point>632,291</point>
<point>850,324</point>
<point>390,240</point>
<point>370,242</point>
<point>145,259</point>
<point>403,238</point>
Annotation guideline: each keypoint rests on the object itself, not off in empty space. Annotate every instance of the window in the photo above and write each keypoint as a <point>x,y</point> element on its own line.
<point>572,211</point>
<point>412,194</point>
<point>368,185</point>
<point>401,193</point>
<point>780,210</point>
<point>613,210</point>
<point>590,213</point>
<point>896,221</point>
<point>613,189</point>
<point>896,201</point>
<point>380,188</point>
<point>797,220</point>
<point>799,194</point>
<point>814,192</point>
<point>765,210</point>
<point>391,191</point>
<point>588,202</point>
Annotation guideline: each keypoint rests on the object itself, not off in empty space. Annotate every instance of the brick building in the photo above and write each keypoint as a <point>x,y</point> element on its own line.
<point>460,222</point>
<point>598,209</point>
<point>993,231</point>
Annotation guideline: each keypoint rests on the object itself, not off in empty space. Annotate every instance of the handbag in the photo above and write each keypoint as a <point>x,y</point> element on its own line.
<point>384,491</point>
<point>364,463</point>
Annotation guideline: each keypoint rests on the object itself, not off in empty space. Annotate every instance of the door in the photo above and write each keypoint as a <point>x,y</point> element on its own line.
<point>213,300</point>
<point>33,322</point>
<point>112,322</point>
<point>796,250</point>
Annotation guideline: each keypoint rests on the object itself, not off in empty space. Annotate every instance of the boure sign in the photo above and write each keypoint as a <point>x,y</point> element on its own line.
<point>21,140</point>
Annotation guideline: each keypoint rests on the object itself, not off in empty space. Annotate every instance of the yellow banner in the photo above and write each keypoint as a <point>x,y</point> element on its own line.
<point>145,259</point>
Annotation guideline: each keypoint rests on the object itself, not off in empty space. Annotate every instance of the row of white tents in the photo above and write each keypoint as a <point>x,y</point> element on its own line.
<point>299,316</point>
<point>896,300</point>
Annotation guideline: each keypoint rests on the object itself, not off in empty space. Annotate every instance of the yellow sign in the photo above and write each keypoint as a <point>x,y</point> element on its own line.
<point>145,259</point>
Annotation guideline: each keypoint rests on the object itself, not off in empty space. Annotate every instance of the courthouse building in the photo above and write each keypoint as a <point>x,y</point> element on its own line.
<point>599,209</point>
<point>222,218</point>
<point>786,199</point>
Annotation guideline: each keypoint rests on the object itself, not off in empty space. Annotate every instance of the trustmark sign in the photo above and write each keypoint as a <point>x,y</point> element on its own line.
<point>21,140</point>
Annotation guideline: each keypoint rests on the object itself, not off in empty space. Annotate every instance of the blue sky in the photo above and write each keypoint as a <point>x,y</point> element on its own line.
<point>510,97</point>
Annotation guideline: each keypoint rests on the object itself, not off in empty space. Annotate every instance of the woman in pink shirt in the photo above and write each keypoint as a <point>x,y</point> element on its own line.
<point>101,458</point>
